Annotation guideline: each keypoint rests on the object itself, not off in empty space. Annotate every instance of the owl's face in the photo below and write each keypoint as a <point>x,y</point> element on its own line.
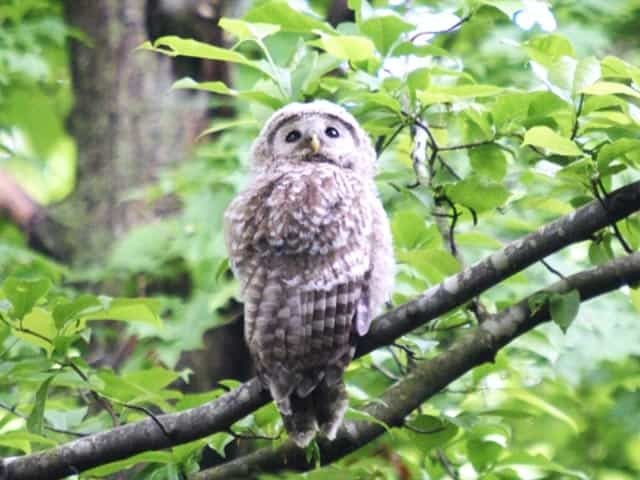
<point>314,137</point>
<point>318,132</point>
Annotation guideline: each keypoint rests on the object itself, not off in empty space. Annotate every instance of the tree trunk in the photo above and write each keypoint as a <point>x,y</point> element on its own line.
<point>127,125</point>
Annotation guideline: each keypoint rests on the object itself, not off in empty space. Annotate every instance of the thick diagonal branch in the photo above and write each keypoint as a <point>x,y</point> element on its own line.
<point>182,427</point>
<point>431,376</point>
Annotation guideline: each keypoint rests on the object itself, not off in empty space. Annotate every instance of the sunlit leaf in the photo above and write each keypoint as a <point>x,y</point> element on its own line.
<point>544,137</point>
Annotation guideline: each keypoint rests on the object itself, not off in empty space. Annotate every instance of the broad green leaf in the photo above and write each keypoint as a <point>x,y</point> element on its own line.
<point>613,67</point>
<point>548,49</point>
<point>410,48</point>
<point>246,30</point>
<point>535,463</point>
<point>508,7</point>
<point>24,293</point>
<point>478,193</point>
<point>601,251</point>
<point>35,421</point>
<point>489,161</point>
<point>587,72</point>
<point>68,310</point>
<point>361,9</point>
<point>437,94</point>
<point>220,126</point>
<point>289,19</point>
<point>214,87</point>
<point>174,46</point>
<point>22,440</point>
<point>38,328</point>
<point>144,310</point>
<point>544,406</point>
<point>483,453</point>
<point>610,88</point>
<point>410,230</point>
<point>355,414</point>
<point>161,457</point>
<point>427,431</point>
<point>385,31</point>
<point>544,137</point>
<point>564,308</point>
<point>346,47</point>
<point>219,441</point>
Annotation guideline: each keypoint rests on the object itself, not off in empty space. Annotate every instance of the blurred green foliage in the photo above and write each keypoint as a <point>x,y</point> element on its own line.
<point>528,123</point>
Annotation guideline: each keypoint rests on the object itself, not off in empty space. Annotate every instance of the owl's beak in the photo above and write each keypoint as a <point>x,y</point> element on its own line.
<point>314,143</point>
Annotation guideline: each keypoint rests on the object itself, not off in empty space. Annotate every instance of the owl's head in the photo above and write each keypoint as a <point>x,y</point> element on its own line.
<point>320,131</point>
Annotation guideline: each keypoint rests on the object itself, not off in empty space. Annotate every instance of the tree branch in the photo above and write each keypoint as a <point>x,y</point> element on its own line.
<point>432,375</point>
<point>220,414</point>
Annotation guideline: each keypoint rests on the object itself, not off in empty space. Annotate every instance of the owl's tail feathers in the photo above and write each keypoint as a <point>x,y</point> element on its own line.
<point>331,403</point>
<point>301,424</point>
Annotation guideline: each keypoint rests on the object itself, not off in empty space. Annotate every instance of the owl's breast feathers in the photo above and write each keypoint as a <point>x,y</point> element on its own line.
<point>301,216</point>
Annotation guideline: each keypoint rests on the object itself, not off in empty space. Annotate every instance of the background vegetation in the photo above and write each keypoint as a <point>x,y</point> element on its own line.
<point>491,118</point>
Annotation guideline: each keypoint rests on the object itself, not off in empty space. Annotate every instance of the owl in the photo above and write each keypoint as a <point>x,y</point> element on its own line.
<point>310,244</point>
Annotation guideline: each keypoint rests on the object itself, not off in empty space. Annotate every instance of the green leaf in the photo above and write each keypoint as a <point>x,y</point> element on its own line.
<point>610,88</point>
<point>410,230</point>
<point>24,293</point>
<point>143,310</point>
<point>586,74</point>
<point>68,310</point>
<point>613,67</point>
<point>214,87</point>
<point>35,421</point>
<point>246,30</point>
<point>546,407</point>
<point>220,126</point>
<point>459,92</point>
<point>548,49</point>
<point>544,137</point>
<point>219,441</point>
<point>288,18</point>
<point>38,328</point>
<point>625,149</point>
<point>361,9</point>
<point>564,308</point>
<point>354,414</point>
<point>478,193</point>
<point>489,161</point>
<point>508,7</point>
<point>345,47</point>
<point>174,46</point>
<point>427,432</point>
<point>21,440</point>
<point>385,31</point>
<point>146,457</point>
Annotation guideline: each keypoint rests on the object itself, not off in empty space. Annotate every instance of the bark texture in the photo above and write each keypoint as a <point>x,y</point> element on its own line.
<point>127,125</point>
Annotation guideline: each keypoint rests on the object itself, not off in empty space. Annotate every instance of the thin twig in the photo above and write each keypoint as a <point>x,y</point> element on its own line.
<point>551,269</point>
<point>99,399</point>
<point>384,145</point>
<point>597,186</point>
<point>447,30</point>
<point>574,131</point>
<point>150,414</point>
<point>446,464</point>
<point>252,436</point>
<point>14,411</point>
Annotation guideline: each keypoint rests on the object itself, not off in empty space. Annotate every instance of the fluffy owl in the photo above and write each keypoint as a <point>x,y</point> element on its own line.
<point>310,244</point>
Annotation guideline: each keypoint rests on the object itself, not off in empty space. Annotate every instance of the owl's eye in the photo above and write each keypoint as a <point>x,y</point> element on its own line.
<point>332,132</point>
<point>293,136</point>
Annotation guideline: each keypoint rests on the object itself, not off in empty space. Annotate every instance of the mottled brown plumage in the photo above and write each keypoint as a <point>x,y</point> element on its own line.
<point>310,244</point>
